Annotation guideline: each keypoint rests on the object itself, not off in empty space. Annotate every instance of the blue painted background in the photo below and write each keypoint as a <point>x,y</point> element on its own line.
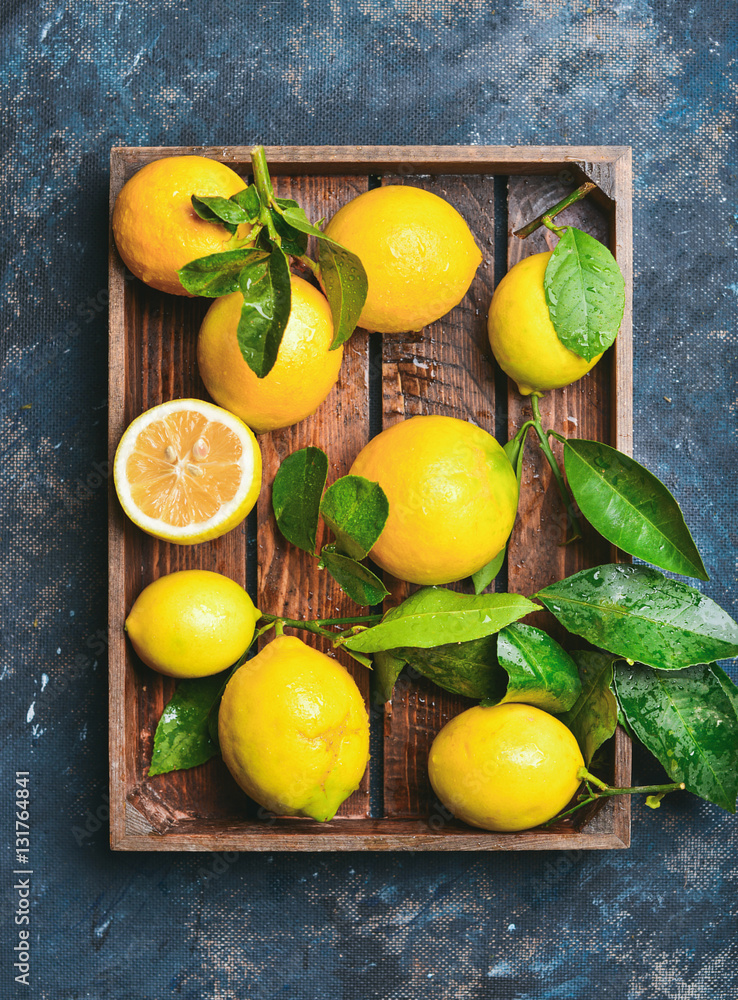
<point>657,921</point>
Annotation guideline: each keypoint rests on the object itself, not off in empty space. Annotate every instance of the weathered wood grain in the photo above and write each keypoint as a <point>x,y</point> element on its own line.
<point>446,369</point>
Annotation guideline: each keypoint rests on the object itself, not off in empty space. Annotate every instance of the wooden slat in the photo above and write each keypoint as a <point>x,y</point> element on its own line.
<point>323,160</point>
<point>290,582</point>
<point>445,369</point>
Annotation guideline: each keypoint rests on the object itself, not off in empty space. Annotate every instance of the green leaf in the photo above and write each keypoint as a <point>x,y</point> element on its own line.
<point>593,717</point>
<point>484,576</point>
<point>638,613</point>
<point>296,218</point>
<point>356,511</point>
<point>387,668</point>
<point>688,722</point>
<point>356,580</point>
<point>585,293</point>
<point>182,737</point>
<point>219,273</point>
<point>249,201</point>
<point>345,284</point>
<point>294,241</point>
<point>296,492</point>
<point>540,672</point>
<point>514,450</point>
<point>466,668</point>
<point>727,684</point>
<point>630,507</point>
<point>224,210</point>
<point>435,616</point>
<point>266,308</point>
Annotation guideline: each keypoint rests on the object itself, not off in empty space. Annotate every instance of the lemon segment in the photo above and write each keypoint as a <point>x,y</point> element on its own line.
<point>507,767</point>
<point>187,471</point>
<point>523,338</point>
<point>294,730</point>
<point>191,623</point>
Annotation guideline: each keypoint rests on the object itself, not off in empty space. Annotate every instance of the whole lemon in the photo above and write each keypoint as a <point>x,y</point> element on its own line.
<point>294,730</point>
<point>522,336</point>
<point>155,227</point>
<point>510,767</point>
<point>191,623</point>
<point>418,253</point>
<point>303,375</point>
<point>452,498</point>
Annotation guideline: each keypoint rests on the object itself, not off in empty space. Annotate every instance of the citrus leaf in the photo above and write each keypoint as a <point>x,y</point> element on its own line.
<point>387,668</point>
<point>294,241</point>
<point>593,717</point>
<point>484,576</point>
<point>688,722</point>
<point>630,507</point>
<point>219,273</point>
<point>267,296</point>
<point>585,293</point>
<point>727,684</point>
<point>296,492</point>
<point>435,616</point>
<point>514,449</point>
<point>466,668</point>
<point>249,201</point>
<point>296,218</point>
<point>356,510</point>
<point>182,737</point>
<point>638,613</point>
<point>361,585</point>
<point>539,671</point>
<point>345,284</point>
<point>224,210</point>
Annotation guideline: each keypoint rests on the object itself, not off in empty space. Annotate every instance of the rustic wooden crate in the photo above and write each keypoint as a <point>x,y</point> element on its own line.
<point>446,369</point>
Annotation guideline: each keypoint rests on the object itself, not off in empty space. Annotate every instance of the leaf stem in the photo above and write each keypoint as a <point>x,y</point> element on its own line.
<point>316,625</point>
<point>261,176</point>
<point>558,475</point>
<point>606,791</point>
<point>551,213</point>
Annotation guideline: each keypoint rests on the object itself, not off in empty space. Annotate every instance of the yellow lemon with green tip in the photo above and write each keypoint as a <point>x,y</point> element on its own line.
<point>294,730</point>
<point>522,336</point>
<point>507,767</point>
<point>191,623</point>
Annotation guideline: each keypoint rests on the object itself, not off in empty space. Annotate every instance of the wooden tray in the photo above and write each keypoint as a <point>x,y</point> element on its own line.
<point>446,369</point>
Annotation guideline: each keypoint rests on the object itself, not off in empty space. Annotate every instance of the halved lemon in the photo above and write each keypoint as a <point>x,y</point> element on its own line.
<point>187,471</point>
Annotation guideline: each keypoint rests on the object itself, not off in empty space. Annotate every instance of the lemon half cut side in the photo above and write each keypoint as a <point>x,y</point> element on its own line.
<point>187,471</point>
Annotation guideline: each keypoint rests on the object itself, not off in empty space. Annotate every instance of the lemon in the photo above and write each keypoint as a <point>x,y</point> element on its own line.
<point>155,227</point>
<point>187,471</point>
<point>294,730</point>
<point>522,336</point>
<point>510,767</point>
<point>418,253</point>
<point>303,375</point>
<point>192,623</point>
<point>452,498</point>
